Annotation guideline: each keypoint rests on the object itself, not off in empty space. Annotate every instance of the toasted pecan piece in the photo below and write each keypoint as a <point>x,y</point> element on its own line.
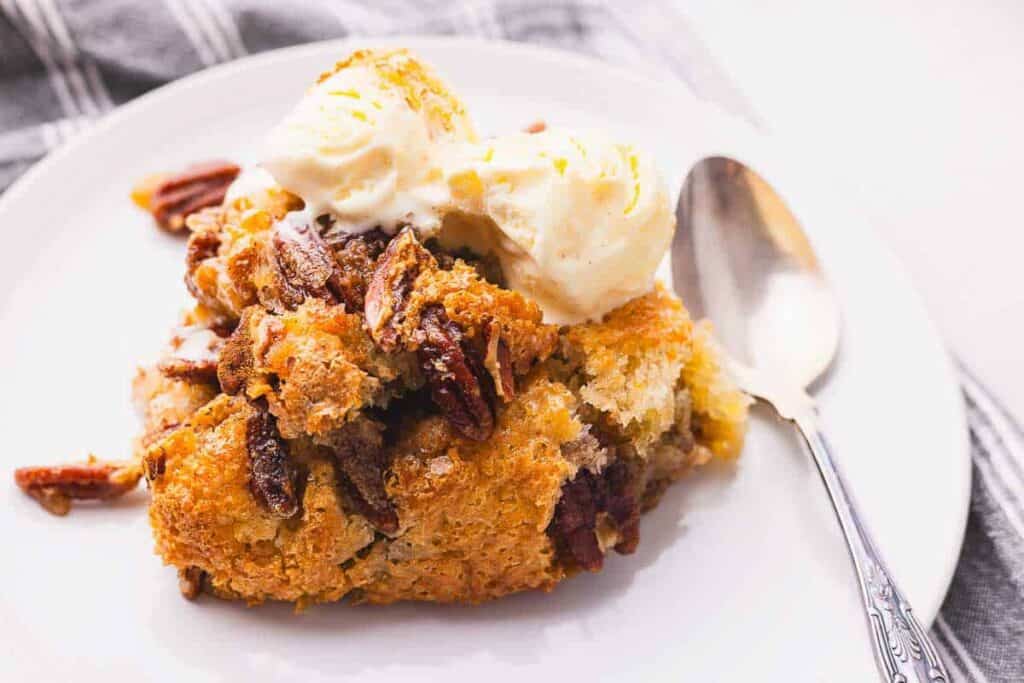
<point>587,500</point>
<point>459,384</point>
<point>56,486</point>
<point>305,266</point>
<point>388,293</point>
<point>361,464</point>
<point>236,363</point>
<point>356,255</point>
<point>271,475</point>
<point>197,187</point>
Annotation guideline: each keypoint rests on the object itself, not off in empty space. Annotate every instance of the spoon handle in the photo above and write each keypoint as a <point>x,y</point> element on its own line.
<point>903,651</point>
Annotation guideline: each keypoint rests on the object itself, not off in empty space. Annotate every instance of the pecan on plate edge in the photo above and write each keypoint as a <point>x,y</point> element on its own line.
<point>55,487</point>
<point>198,187</point>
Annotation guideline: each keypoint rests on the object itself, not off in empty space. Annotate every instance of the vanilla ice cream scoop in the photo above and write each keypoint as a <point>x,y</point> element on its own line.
<point>365,144</point>
<point>578,221</point>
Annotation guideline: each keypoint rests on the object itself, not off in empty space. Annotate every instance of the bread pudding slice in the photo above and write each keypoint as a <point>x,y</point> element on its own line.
<point>370,398</point>
<point>387,422</point>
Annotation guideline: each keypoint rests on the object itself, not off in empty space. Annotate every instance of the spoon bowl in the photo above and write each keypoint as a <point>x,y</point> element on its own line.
<point>740,259</point>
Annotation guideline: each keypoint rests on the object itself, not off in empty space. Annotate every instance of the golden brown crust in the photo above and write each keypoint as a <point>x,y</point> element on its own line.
<point>203,515</point>
<point>473,516</point>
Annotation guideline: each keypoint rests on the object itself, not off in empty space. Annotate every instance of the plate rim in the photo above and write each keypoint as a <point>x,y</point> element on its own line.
<point>927,612</point>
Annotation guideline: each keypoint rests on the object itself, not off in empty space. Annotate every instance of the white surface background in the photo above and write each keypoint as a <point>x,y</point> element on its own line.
<point>918,106</point>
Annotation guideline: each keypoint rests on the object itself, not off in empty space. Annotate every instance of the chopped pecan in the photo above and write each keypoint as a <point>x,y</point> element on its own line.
<point>245,350</point>
<point>361,465</point>
<point>193,355</point>
<point>305,265</point>
<point>271,476</point>
<point>236,362</point>
<point>356,255</point>
<point>390,286</point>
<point>458,383</point>
<point>197,187</point>
<point>574,525</point>
<point>498,361</point>
<point>190,582</point>
<point>55,487</point>
<point>536,127</point>
<point>575,521</point>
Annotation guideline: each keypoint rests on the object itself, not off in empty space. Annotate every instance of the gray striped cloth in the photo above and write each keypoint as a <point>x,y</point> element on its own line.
<point>63,63</point>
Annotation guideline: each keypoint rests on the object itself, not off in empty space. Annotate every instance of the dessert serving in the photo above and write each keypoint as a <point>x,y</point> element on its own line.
<point>421,365</point>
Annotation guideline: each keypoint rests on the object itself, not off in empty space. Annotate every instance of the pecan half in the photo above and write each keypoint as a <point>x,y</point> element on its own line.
<point>574,525</point>
<point>193,355</point>
<point>55,487</point>
<point>271,476</point>
<point>304,262</point>
<point>361,465</point>
<point>197,187</point>
<point>390,286</point>
<point>498,361</point>
<point>356,256</point>
<point>455,375</point>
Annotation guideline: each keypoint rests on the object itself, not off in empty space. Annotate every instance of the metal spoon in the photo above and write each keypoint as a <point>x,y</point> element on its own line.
<point>740,258</point>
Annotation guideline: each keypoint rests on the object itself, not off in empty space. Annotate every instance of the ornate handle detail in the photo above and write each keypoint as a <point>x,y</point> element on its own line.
<point>903,650</point>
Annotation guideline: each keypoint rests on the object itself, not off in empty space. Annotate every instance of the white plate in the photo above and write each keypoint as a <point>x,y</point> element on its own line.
<point>740,575</point>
